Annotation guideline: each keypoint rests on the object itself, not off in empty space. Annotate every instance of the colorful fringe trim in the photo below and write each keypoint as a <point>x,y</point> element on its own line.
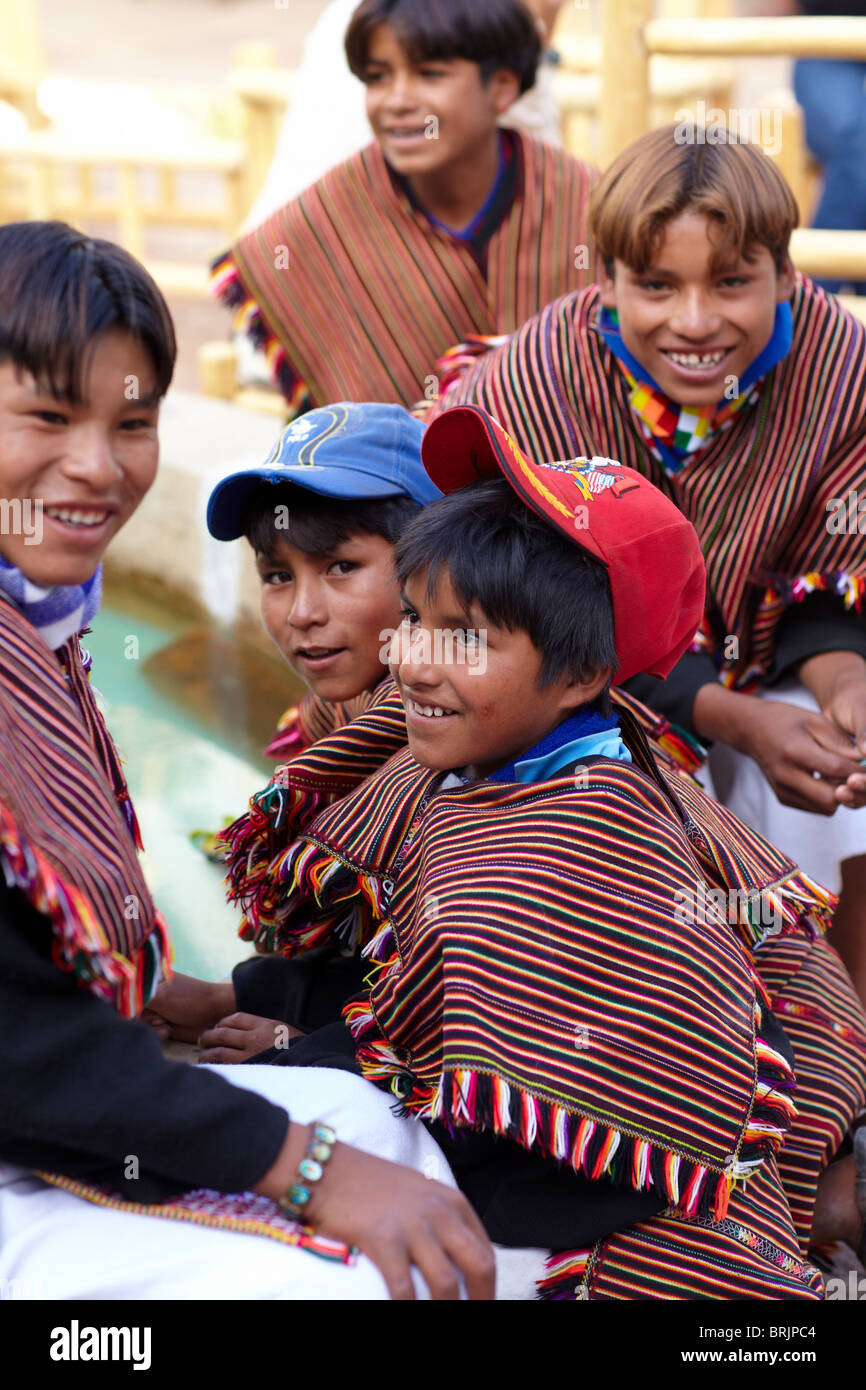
<point>794,904</point>
<point>301,895</point>
<point>288,739</point>
<point>451,366</point>
<point>566,1277</point>
<point>259,849</point>
<point>479,1100</point>
<point>247,1213</point>
<point>226,285</point>
<point>850,588</point>
<point>80,946</point>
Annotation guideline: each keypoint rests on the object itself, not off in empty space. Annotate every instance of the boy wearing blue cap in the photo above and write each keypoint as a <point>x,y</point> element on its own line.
<point>322,514</point>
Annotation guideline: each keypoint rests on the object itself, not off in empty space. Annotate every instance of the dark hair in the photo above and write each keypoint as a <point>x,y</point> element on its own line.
<point>60,289</point>
<point>520,571</point>
<point>660,176</point>
<point>317,524</point>
<point>493,33</point>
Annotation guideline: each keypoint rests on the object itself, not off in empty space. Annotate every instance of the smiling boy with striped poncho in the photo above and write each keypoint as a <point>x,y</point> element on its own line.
<point>443,228</point>
<point>516,873</point>
<point>738,387</point>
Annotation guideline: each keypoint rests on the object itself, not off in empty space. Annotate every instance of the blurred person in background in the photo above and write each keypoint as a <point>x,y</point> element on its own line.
<point>443,230</point>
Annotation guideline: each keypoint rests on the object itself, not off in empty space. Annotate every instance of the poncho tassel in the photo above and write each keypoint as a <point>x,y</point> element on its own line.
<point>795,905</point>
<point>259,849</point>
<point>463,1098</point>
<point>566,1276</point>
<point>226,285</point>
<point>849,587</point>
<point>79,944</point>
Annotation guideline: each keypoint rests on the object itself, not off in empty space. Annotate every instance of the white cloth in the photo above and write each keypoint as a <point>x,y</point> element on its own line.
<point>819,844</point>
<point>54,1245</point>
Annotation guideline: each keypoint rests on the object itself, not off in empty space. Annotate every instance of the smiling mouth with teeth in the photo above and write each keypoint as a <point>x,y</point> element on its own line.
<point>76,517</point>
<point>700,361</point>
<point>430,711</point>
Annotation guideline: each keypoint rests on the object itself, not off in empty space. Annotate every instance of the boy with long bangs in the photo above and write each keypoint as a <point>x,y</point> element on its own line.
<point>322,514</point>
<point>89,1106</point>
<point>446,227</point>
<point>516,870</point>
<point>705,362</point>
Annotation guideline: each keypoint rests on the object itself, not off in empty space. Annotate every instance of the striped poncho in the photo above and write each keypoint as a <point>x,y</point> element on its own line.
<point>299,890</point>
<point>354,293</point>
<point>536,982</point>
<point>63,803</point>
<point>760,494</point>
<point>524,916</point>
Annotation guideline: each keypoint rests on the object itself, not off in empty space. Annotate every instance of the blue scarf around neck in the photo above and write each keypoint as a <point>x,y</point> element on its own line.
<point>57,613</point>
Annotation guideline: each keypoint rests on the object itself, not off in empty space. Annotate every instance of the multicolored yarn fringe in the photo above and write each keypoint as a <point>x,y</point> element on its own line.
<point>797,903</point>
<point>679,747</point>
<point>849,587</point>
<point>566,1277</point>
<point>778,595</point>
<point>459,358</point>
<point>225,285</point>
<point>260,849</point>
<point>481,1101</point>
<point>79,944</point>
<point>288,738</point>
<point>246,1213</point>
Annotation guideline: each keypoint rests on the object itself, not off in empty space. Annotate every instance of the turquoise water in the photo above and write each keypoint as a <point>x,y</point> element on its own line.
<point>151,666</point>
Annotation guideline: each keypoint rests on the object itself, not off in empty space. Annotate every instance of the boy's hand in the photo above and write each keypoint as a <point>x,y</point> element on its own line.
<point>240,1036</point>
<point>397,1217</point>
<point>838,682</point>
<point>791,745</point>
<point>183,1006</point>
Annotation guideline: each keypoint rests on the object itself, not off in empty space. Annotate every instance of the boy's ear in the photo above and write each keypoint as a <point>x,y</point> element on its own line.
<point>504,89</point>
<point>606,283</point>
<point>785,281</point>
<point>583,692</point>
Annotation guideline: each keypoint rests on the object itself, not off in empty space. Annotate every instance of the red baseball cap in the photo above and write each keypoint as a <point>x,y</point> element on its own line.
<point>650,550</point>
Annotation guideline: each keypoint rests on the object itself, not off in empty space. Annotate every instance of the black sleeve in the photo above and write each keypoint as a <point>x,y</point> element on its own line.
<point>821,623</point>
<point>308,992</point>
<point>674,697</point>
<point>82,1090</point>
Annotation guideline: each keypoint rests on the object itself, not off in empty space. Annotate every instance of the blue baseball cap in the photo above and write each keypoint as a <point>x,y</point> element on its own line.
<point>359,450</point>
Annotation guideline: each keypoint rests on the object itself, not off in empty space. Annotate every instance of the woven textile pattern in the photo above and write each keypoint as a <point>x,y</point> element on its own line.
<point>362,263</point>
<point>758,494</point>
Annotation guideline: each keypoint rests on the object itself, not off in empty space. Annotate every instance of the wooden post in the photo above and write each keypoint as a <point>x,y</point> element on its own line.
<point>218,370</point>
<point>624,75</point>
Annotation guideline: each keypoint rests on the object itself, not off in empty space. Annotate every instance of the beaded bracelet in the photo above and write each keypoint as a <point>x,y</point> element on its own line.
<point>311,1170</point>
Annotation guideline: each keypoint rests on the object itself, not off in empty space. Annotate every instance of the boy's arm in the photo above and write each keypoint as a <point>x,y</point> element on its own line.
<point>84,1092</point>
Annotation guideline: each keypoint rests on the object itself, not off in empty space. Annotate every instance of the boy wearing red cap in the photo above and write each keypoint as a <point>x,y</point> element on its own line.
<point>516,872</point>
<point>703,361</point>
